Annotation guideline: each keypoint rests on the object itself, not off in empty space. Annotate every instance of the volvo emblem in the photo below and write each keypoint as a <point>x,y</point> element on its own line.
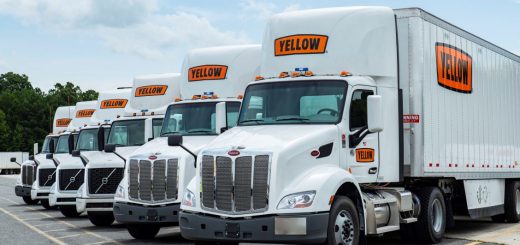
<point>104,181</point>
<point>233,153</point>
<point>72,179</point>
<point>49,177</point>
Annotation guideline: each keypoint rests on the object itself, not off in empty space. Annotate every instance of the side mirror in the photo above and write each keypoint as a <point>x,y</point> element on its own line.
<point>13,159</point>
<point>220,117</point>
<point>375,117</point>
<point>51,147</point>
<point>148,128</point>
<point>35,148</point>
<point>76,153</point>
<point>49,156</point>
<point>175,140</point>
<point>71,143</point>
<point>31,157</point>
<point>110,148</point>
<point>101,138</point>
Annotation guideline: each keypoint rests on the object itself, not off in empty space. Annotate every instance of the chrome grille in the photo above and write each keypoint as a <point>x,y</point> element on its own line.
<point>46,176</point>
<point>153,181</point>
<point>104,180</point>
<point>28,174</point>
<point>71,179</point>
<point>235,185</point>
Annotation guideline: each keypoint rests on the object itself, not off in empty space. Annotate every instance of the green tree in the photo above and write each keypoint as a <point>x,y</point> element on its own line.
<point>4,132</point>
<point>14,82</point>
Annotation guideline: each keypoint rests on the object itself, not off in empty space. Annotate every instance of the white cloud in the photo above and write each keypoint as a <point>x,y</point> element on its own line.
<point>127,26</point>
<point>261,10</point>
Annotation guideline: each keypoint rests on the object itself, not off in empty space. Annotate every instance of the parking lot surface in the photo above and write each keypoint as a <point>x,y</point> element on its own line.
<point>24,224</point>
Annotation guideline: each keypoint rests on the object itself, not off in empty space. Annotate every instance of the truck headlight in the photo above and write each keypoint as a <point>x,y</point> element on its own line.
<point>297,200</point>
<point>120,192</point>
<point>188,199</point>
<point>19,180</point>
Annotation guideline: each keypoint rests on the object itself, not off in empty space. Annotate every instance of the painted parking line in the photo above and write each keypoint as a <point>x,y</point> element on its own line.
<point>73,235</point>
<point>33,228</point>
<point>473,243</point>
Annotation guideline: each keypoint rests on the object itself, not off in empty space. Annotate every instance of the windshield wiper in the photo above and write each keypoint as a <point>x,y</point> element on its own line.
<point>257,121</point>
<point>292,118</point>
<point>172,132</point>
<point>199,131</point>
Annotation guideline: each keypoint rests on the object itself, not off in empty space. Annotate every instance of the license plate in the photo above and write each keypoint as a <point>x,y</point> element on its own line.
<point>232,230</point>
<point>152,215</point>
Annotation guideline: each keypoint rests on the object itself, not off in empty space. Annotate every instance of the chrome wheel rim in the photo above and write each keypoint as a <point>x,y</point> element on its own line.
<point>517,196</point>
<point>437,215</point>
<point>344,228</point>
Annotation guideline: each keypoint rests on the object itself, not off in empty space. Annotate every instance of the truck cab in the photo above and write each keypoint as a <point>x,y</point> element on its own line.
<point>212,85</point>
<point>139,123</point>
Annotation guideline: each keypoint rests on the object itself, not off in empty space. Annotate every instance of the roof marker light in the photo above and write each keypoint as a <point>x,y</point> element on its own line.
<point>153,113</point>
<point>283,74</point>
<point>345,74</point>
<point>309,74</point>
<point>214,96</point>
<point>240,96</point>
<point>195,97</point>
<point>295,74</point>
<point>178,99</point>
<point>258,78</point>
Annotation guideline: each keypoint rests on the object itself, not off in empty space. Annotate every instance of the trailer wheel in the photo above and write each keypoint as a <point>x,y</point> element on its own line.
<point>512,202</point>
<point>45,204</point>
<point>69,211</point>
<point>101,219</point>
<point>343,223</point>
<point>30,201</point>
<point>143,231</point>
<point>431,223</point>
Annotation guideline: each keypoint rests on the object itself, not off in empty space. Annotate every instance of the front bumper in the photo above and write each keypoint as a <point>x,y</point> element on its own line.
<point>303,228</point>
<point>22,191</point>
<point>63,198</point>
<point>136,214</point>
<point>40,193</point>
<point>94,204</point>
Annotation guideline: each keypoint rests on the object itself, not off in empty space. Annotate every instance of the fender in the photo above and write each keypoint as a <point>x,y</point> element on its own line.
<point>192,186</point>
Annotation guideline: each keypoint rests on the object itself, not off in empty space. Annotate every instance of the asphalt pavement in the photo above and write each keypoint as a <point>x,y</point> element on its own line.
<point>32,224</point>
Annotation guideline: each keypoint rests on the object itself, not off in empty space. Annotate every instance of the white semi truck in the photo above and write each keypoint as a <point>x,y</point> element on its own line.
<point>367,120</point>
<point>140,123</point>
<point>25,181</point>
<point>156,174</point>
<point>91,140</point>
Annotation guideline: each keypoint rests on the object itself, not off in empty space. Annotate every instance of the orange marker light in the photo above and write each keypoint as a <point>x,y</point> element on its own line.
<point>295,74</point>
<point>214,96</point>
<point>178,99</point>
<point>331,200</point>
<point>142,114</point>
<point>195,97</point>
<point>135,114</point>
<point>258,78</point>
<point>345,73</point>
<point>283,74</point>
<point>309,74</point>
<point>240,97</point>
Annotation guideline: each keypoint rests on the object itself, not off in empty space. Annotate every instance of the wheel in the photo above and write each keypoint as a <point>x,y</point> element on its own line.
<point>512,202</point>
<point>45,204</point>
<point>143,231</point>
<point>69,211</point>
<point>343,225</point>
<point>101,219</point>
<point>431,223</point>
<point>30,201</point>
<point>499,218</point>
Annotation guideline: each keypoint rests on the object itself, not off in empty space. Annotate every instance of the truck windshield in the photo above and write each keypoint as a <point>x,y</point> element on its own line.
<point>49,140</point>
<point>88,140</point>
<point>196,118</point>
<point>127,133</point>
<point>63,144</point>
<point>298,102</point>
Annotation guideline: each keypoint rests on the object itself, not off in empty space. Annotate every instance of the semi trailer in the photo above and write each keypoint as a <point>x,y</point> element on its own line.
<point>11,162</point>
<point>213,81</point>
<point>29,168</point>
<point>91,139</point>
<point>140,123</point>
<point>365,120</point>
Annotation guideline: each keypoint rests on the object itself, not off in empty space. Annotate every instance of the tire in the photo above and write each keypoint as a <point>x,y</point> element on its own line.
<point>30,201</point>
<point>101,219</point>
<point>46,205</point>
<point>512,202</point>
<point>431,223</point>
<point>499,218</point>
<point>143,231</point>
<point>343,217</point>
<point>69,211</point>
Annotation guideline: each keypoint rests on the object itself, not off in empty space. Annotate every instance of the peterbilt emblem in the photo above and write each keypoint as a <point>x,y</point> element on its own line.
<point>152,157</point>
<point>233,153</point>
<point>72,179</point>
<point>104,180</point>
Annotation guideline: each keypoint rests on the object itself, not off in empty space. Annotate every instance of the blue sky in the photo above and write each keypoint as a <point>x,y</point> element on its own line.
<point>102,44</point>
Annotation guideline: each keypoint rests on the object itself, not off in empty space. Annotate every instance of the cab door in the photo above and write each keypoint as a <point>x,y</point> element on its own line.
<point>363,157</point>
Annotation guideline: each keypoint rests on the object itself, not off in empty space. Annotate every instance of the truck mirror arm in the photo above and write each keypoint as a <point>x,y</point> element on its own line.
<point>355,138</point>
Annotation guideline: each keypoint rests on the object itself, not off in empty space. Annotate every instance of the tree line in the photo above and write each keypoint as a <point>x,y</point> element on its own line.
<point>26,112</point>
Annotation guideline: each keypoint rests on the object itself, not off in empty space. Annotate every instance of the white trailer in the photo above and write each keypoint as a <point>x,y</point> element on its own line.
<point>62,118</point>
<point>140,123</point>
<point>212,83</point>
<point>367,120</point>
<point>10,162</point>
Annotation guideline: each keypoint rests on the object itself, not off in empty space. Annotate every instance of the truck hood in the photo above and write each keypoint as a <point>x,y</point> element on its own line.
<point>101,159</point>
<point>160,146</point>
<point>67,161</point>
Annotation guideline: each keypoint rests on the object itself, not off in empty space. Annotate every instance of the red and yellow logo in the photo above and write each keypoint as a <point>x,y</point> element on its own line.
<point>300,44</point>
<point>365,155</point>
<point>114,103</point>
<point>63,122</point>
<point>151,90</point>
<point>454,68</point>
<point>207,72</point>
<point>85,113</point>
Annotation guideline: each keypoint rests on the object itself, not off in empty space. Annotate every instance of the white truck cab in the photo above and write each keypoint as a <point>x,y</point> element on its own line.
<point>140,123</point>
<point>156,174</point>
<point>27,177</point>
<point>69,169</point>
<point>42,167</point>
<point>365,120</point>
